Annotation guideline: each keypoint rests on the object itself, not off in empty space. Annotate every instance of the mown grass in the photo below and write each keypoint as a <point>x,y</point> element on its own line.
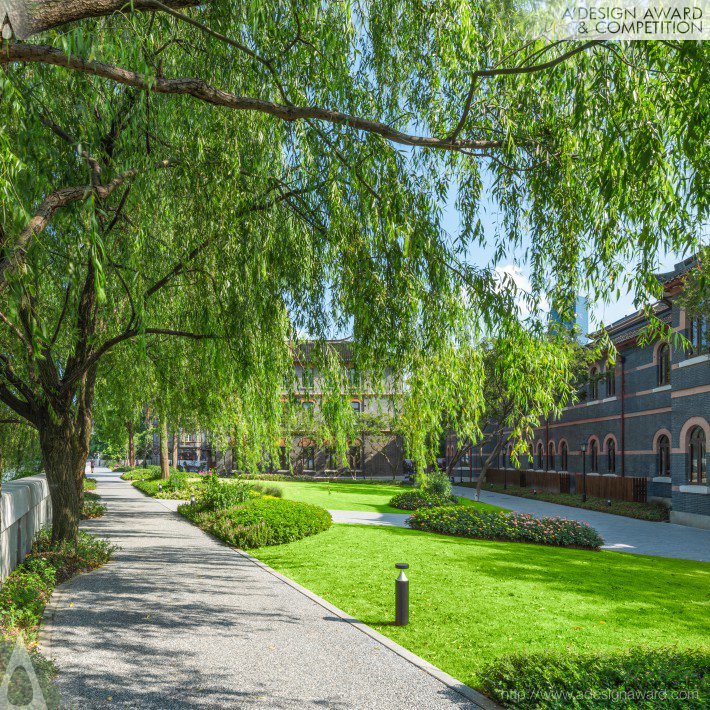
<point>474,602</point>
<point>371,497</point>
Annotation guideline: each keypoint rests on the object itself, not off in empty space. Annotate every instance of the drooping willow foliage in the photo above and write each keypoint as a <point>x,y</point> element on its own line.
<point>179,197</point>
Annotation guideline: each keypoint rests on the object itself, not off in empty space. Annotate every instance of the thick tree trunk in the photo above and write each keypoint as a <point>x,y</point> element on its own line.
<point>175,449</point>
<point>164,463</point>
<point>64,457</point>
<point>131,445</point>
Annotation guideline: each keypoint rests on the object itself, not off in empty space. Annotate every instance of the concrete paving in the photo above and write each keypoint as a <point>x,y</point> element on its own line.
<point>180,621</point>
<point>638,537</point>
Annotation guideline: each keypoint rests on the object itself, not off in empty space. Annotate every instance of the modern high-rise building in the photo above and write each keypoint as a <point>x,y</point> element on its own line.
<point>578,322</point>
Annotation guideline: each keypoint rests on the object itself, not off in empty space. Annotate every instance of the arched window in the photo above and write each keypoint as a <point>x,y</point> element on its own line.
<point>593,384</point>
<point>664,456</point>
<point>663,367</point>
<point>611,456</point>
<point>551,456</point>
<point>540,457</point>
<point>697,471</point>
<point>611,380</point>
<point>563,456</point>
<point>594,456</point>
<point>698,334</point>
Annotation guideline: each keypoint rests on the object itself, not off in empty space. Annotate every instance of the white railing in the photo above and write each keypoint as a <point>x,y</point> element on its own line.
<point>25,508</point>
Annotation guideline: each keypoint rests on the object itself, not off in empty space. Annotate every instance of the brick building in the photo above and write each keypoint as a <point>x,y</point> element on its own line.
<point>376,453</point>
<point>647,416</point>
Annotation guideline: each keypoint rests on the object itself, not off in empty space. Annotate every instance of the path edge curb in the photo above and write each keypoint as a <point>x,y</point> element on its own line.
<point>480,700</point>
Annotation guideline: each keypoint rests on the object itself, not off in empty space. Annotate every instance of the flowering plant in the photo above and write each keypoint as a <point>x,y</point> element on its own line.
<point>516,527</point>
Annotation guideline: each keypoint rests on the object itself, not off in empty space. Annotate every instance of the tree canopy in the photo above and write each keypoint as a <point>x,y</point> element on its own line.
<point>183,189</point>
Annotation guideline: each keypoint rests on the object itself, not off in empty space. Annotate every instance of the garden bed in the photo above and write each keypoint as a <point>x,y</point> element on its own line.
<point>511,527</point>
<point>641,511</point>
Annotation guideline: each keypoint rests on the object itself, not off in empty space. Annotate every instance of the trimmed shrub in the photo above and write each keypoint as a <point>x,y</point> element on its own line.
<point>273,491</point>
<point>89,484</point>
<point>515,527</point>
<point>260,522</point>
<point>149,473</point>
<point>637,678</point>
<point>416,499</point>
<point>218,495</point>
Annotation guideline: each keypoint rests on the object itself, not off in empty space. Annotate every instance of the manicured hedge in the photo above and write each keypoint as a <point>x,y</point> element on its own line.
<point>260,522</point>
<point>149,473</point>
<point>92,508</point>
<point>515,527</point>
<point>638,678</point>
<point>414,500</point>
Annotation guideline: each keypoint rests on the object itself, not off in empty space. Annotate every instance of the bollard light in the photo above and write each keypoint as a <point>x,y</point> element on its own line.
<point>401,585</point>
<point>160,487</point>
<point>609,502</point>
<point>192,499</point>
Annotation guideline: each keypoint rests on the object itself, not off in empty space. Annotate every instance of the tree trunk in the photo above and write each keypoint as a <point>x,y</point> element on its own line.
<point>485,466</point>
<point>175,450</point>
<point>131,445</point>
<point>64,457</point>
<point>164,463</point>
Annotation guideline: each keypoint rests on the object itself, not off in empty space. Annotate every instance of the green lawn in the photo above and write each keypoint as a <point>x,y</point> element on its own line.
<point>473,601</point>
<point>372,497</point>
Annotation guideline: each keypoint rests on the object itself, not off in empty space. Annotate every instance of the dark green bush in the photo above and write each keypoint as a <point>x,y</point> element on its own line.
<point>437,484</point>
<point>418,498</point>
<point>516,527</point>
<point>215,494</point>
<point>637,678</point>
<point>260,522</point>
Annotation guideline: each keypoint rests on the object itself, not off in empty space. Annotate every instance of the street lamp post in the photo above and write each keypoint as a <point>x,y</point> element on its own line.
<point>584,472</point>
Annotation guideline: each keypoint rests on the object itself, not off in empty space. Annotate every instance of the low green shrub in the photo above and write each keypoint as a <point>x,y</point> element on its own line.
<point>637,678</point>
<point>266,490</point>
<point>27,589</point>
<point>515,527</point>
<point>19,689</point>
<point>418,498</point>
<point>149,473</point>
<point>629,509</point>
<point>437,484</point>
<point>163,490</point>
<point>218,495</point>
<point>317,479</point>
<point>89,484</point>
<point>92,508</point>
<point>260,521</point>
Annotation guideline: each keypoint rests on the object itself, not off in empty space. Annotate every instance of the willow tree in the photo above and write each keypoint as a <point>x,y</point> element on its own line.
<point>218,175</point>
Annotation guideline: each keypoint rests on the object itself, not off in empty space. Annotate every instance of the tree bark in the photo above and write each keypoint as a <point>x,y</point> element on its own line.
<point>131,445</point>
<point>28,17</point>
<point>164,462</point>
<point>64,455</point>
<point>175,449</point>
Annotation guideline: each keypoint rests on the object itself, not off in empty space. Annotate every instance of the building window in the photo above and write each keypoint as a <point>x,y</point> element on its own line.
<point>697,471</point>
<point>611,456</point>
<point>594,456</point>
<point>551,456</point>
<point>698,334</point>
<point>309,458</point>
<point>611,381</point>
<point>664,365</point>
<point>540,457</point>
<point>593,384</point>
<point>563,456</point>
<point>357,407</point>
<point>307,378</point>
<point>664,456</point>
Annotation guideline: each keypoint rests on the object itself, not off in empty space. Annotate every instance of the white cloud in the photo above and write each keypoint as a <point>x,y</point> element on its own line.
<point>508,273</point>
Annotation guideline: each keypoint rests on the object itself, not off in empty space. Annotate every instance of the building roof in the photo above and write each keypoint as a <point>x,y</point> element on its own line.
<point>680,269</point>
<point>343,347</point>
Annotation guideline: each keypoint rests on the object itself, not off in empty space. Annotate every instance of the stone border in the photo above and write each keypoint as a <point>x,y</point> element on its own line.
<point>479,700</point>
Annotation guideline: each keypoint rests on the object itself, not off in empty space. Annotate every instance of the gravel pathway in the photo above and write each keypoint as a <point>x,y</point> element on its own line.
<point>638,537</point>
<point>180,621</point>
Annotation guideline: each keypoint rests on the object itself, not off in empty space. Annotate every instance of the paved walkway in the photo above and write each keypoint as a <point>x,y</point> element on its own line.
<point>181,621</point>
<point>639,537</point>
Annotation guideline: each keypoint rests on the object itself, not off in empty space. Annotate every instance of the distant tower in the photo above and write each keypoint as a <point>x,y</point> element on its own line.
<point>577,323</point>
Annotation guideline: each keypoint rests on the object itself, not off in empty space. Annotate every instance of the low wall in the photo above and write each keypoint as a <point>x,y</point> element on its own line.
<point>25,508</point>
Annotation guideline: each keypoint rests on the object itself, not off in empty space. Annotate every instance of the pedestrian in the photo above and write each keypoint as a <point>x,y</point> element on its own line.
<point>91,462</point>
